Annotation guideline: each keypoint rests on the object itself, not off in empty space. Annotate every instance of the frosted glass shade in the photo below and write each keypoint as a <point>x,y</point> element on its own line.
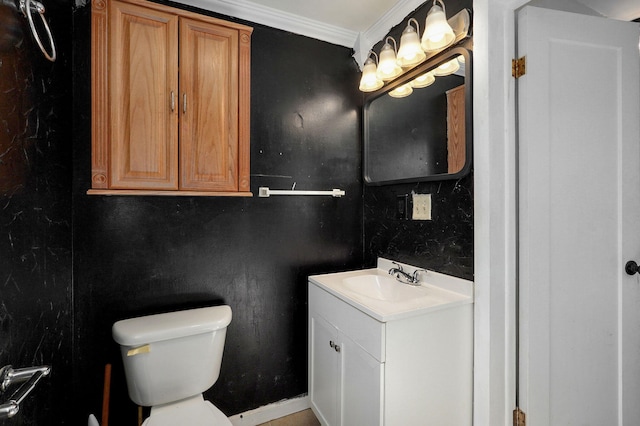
<point>370,81</point>
<point>423,80</point>
<point>437,31</point>
<point>410,52</point>
<point>401,91</point>
<point>388,69</point>
<point>447,68</point>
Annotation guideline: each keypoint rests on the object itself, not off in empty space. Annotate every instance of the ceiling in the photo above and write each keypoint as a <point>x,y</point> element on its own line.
<point>362,23</point>
<point>625,10</point>
<point>360,15</point>
<point>354,15</point>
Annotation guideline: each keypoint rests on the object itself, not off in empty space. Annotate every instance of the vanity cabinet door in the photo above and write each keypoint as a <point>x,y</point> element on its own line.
<point>361,385</point>
<point>346,382</point>
<point>323,369</point>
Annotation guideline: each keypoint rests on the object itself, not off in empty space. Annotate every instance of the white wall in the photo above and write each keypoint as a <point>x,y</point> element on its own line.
<point>564,5</point>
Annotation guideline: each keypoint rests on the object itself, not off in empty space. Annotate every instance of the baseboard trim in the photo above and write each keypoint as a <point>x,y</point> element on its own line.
<point>270,412</point>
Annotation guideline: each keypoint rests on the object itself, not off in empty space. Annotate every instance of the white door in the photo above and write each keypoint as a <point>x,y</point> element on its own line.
<point>579,219</point>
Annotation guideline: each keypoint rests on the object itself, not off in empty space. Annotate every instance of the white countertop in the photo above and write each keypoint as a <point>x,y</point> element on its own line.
<point>436,291</point>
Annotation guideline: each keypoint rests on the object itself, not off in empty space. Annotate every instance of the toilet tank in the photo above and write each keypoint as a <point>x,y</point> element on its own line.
<point>172,356</point>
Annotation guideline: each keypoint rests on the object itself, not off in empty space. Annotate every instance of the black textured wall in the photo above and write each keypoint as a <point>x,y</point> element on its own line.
<point>137,255</point>
<point>35,211</point>
<point>444,244</point>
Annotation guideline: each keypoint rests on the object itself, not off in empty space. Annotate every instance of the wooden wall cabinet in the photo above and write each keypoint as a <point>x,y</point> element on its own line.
<point>170,101</point>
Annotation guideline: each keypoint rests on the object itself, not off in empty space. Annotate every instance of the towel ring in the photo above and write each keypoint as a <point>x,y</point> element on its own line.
<point>27,7</point>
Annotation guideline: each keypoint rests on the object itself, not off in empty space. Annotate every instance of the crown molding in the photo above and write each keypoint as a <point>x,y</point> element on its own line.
<point>361,42</point>
<point>382,26</point>
<point>275,18</point>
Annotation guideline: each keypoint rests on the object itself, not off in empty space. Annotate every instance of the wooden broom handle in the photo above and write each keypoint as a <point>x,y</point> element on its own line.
<point>106,391</point>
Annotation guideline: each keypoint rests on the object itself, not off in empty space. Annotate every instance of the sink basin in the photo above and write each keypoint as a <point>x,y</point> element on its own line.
<point>379,295</point>
<point>380,287</point>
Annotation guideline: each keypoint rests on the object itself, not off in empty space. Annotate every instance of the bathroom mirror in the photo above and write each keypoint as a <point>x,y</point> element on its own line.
<point>426,135</point>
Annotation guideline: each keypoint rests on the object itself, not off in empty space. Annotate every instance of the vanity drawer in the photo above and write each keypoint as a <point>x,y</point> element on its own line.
<point>365,331</point>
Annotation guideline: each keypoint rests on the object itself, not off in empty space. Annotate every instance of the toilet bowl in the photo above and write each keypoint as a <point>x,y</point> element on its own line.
<point>170,360</point>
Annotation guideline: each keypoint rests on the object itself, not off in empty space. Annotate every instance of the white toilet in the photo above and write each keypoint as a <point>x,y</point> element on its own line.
<point>171,359</point>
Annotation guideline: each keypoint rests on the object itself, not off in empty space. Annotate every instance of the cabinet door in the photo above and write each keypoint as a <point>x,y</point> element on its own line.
<point>323,369</point>
<point>361,387</point>
<point>209,106</point>
<point>143,76</point>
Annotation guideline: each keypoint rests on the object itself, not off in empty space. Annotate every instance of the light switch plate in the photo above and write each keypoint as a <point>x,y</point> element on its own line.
<point>421,207</point>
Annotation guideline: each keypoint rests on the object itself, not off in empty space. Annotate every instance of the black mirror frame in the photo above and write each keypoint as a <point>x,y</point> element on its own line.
<point>462,48</point>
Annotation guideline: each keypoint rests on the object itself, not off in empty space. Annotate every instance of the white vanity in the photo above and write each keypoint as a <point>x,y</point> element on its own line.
<point>387,353</point>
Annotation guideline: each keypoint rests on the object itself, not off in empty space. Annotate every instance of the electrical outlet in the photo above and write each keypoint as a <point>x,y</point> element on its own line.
<point>421,207</point>
<point>402,207</point>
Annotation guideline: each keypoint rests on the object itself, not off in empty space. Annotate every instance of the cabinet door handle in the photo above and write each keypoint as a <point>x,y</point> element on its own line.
<point>184,102</point>
<point>337,348</point>
<point>331,344</point>
<point>173,101</point>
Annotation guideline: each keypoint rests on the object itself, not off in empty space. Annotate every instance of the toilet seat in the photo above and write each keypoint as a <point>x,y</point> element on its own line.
<point>193,411</point>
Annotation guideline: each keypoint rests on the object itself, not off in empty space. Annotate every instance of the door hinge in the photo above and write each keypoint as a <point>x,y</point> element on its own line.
<point>519,417</point>
<point>518,67</point>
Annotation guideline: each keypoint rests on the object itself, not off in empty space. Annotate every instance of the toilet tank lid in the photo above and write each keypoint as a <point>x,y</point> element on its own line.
<point>172,325</point>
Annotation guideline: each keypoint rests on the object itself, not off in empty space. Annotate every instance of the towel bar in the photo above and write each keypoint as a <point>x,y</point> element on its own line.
<point>27,7</point>
<point>266,192</point>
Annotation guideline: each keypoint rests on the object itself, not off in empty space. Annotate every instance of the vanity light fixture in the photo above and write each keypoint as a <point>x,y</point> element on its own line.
<point>424,80</point>
<point>392,62</point>
<point>370,81</point>
<point>401,91</point>
<point>447,68</point>
<point>410,52</point>
<point>388,68</point>
<point>438,34</point>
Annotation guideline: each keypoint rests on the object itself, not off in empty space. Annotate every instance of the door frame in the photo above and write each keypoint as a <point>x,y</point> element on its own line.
<point>495,212</point>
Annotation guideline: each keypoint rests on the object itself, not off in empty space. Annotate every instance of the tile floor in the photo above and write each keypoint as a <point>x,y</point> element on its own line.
<point>301,418</point>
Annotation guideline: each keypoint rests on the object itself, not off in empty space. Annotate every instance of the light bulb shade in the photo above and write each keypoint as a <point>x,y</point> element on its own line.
<point>410,52</point>
<point>388,69</point>
<point>370,81</point>
<point>447,68</point>
<point>401,91</point>
<point>437,31</point>
<point>424,80</point>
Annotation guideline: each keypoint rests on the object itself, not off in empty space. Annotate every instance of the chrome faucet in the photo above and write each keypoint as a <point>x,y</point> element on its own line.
<point>399,274</point>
